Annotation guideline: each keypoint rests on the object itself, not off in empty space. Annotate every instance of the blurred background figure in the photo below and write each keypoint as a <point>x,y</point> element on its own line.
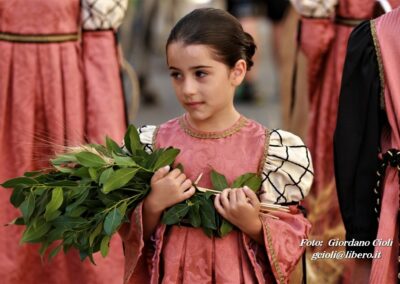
<point>325,29</point>
<point>59,85</point>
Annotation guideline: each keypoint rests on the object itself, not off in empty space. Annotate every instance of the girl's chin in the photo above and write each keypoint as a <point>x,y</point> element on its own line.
<point>197,115</point>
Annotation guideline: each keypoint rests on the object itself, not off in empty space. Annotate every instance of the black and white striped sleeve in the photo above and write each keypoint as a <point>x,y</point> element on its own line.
<point>288,171</point>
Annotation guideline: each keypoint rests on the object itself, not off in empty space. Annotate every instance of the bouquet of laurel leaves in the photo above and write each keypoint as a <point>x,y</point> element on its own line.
<point>91,191</point>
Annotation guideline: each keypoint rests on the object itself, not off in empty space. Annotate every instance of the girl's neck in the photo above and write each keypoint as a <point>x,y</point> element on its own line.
<point>215,123</point>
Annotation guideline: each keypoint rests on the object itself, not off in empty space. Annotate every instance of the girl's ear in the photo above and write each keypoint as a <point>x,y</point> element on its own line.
<point>238,72</point>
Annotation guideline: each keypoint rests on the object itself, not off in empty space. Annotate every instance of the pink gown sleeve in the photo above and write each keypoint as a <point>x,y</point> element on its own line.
<point>282,238</point>
<point>140,256</point>
<point>287,177</point>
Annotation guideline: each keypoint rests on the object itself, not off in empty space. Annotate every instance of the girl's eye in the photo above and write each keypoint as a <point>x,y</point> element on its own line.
<point>176,75</point>
<point>200,74</point>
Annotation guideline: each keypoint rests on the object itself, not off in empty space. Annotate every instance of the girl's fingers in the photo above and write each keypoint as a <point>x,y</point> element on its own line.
<point>232,196</point>
<point>188,193</point>
<point>241,196</point>
<point>174,173</point>
<point>224,199</point>
<point>186,184</point>
<point>251,195</point>
<point>217,204</point>
<point>181,178</point>
<point>160,173</point>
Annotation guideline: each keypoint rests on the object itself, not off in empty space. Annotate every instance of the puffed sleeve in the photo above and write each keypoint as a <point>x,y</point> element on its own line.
<point>287,177</point>
<point>105,105</point>
<point>288,171</point>
<point>147,134</point>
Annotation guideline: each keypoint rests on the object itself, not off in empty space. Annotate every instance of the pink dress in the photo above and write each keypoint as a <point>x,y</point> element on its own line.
<point>324,42</point>
<point>181,254</point>
<point>53,94</point>
<point>386,268</point>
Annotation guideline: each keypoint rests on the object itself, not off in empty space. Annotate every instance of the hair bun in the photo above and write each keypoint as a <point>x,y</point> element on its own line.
<point>250,50</point>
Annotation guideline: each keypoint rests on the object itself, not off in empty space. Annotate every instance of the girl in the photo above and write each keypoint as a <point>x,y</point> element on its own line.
<point>208,54</point>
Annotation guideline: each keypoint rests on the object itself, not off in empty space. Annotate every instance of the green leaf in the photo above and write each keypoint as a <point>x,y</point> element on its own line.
<point>19,181</point>
<point>118,179</point>
<point>67,223</point>
<point>52,215</point>
<point>43,248</point>
<point>194,216</point>
<point>122,208</point>
<point>166,158</point>
<point>112,221</point>
<point>175,214</point>
<point>82,197</point>
<point>112,146</point>
<point>225,228</point>
<point>34,233</point>
<point>77,212</point>
<point>62,183</point>
<point>105,175</point>
<point>17,197</point>
<point>55,251</point>
<point>57,197</point>
<point>95,233</point>
<point>104,246</point>
<point>63,159</point>
<point>93,174</point>
<point>252,180</point>
<point>218,181</point>
<point>32,174</point>
<point>123,161</point>
<point>254,183</point>
<point>81,172</point>
<point>132,139</point>
<point>88,159</point>
<point>63,169</point>
<point>27,207</point>
<point>207,214</point>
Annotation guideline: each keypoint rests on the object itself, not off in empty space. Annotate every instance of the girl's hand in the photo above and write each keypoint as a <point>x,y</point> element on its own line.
<point>167,189</point>
<point>241,207</point>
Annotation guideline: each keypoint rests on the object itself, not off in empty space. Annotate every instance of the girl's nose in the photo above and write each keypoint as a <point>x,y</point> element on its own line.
<point>188,87</point>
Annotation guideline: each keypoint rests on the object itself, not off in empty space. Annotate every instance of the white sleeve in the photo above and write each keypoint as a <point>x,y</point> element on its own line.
<point>288,171</point>
<point>315,9</point>
<point>146,135</point>
<point>103,14</point>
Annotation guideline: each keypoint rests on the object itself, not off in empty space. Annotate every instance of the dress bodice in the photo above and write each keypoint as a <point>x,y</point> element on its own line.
<point>39,16</point>
<point>232,152</point>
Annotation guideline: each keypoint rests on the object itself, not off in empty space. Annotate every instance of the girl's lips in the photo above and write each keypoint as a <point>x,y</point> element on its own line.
<point>193,104</point>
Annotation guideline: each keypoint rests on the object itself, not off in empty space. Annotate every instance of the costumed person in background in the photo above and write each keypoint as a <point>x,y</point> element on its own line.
<point>367,147</point>
<point>208,54</point>
<point>325,29</point>
<point>59,85</point>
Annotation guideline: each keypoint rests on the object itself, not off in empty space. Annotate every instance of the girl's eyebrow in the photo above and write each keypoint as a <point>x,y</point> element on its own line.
<point>192,68</point>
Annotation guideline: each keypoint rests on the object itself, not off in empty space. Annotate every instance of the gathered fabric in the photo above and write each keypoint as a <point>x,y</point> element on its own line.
<point>59,85</point>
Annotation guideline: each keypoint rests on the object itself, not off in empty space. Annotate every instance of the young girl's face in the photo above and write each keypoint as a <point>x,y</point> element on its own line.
<point>203,85</point>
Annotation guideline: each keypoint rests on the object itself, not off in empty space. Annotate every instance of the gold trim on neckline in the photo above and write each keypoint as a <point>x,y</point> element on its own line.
<point>37,38</point>
<point>242,121</point>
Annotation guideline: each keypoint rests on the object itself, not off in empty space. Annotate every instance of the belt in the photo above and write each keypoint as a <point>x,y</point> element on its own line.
<point>348,21</point>
<point>32,38</point>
